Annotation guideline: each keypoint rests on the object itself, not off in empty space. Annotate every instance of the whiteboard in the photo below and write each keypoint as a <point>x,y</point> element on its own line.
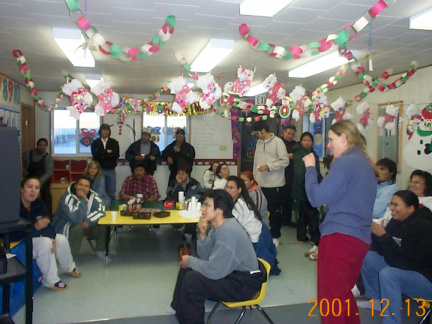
<point>211,137</point>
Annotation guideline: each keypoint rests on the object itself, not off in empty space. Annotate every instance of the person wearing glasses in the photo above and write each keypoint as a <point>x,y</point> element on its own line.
<point>226,267</point>
<point>178,153</point>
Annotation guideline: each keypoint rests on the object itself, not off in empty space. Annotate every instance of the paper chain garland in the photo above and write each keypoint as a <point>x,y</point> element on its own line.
<point>25,72</point>
<point>97,41</point>
<point>374,84</point>
<point>314,48</point>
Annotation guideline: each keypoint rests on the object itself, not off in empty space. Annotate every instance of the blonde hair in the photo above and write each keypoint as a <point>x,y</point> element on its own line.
<point>98,166</point>
<point>354,138</point>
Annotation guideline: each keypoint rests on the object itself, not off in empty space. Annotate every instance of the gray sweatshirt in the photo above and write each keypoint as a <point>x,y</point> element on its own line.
<point>225,249</point>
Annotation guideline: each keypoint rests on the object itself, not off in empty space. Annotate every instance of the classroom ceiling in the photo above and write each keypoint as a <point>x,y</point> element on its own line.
<point>27,25</point>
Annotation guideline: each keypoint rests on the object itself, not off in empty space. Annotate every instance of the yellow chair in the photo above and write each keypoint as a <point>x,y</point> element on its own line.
<point>427,307</point>
<point>259,297</point>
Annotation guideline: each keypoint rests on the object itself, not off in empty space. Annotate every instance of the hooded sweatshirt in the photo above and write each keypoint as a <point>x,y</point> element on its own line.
<point>273,153</point>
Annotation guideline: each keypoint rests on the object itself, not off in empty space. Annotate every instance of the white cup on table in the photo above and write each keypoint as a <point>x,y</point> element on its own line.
<point>113,214</point>
<point>181,198</point>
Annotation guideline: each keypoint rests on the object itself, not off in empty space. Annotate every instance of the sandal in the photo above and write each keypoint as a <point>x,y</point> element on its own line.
<point>313,250</point>
<point>75,273</point>
<point>59,286</point>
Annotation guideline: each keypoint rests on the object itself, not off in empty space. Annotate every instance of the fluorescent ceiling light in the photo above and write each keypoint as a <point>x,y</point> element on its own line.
<point>70,42</point>
<point>255,90</point>
<point>422,20</point>
<point>93,79</point>
<point>267,8</point>
<point>214,53</point>
<point>321,64</point>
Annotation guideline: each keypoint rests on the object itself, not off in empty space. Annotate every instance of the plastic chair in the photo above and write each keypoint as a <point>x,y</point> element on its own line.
<point>259,297</point>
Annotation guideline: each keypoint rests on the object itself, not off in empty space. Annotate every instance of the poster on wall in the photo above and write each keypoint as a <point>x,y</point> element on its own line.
<point>9,93</point>
<point>10,117</point>
<point>211,137</point>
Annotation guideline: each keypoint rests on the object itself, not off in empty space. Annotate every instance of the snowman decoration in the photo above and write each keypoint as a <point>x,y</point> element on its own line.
<point>418,152</point>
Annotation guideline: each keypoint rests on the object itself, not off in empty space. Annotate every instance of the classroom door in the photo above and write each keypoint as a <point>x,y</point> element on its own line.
<point>27,128</point>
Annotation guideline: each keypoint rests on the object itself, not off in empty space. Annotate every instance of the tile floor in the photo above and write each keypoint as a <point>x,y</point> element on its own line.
<point>140,280</point>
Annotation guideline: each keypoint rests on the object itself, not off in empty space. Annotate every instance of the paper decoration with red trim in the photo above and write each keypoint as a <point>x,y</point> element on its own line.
<point>108,99</point>
<point>275,90</point>
<point>388,121</point>
<point>242,84</point>
<point>210,90</point>
<point>331,41</point>
<point>183,95</point>
<point>25,72</point>
<point>363,110</point>
<point>97,41</point>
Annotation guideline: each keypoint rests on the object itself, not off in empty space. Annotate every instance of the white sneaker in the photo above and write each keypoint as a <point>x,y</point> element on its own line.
<point>276,242</point>
<point>356,292</point>
<point>314,249</point>
<point>170,310</point>
<point>157,231</point>
<point>101,255</point>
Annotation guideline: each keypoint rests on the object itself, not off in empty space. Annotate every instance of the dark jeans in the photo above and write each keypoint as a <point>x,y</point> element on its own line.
<point>308,216</point>
<point>287,202</point>
<point>274,202</point>
<point>192,289</point>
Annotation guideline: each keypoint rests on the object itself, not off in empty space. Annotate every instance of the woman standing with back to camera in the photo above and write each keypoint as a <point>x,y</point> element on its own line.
<point>348,191</point>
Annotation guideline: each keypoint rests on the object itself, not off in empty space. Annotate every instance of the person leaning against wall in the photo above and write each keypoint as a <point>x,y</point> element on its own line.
<point>348,191</point>
<point>39,163</point>
<point>144,151</point>
<point>105,150</point>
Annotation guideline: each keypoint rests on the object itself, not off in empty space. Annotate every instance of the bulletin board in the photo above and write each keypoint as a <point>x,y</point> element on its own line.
<point>211,136</point>
<point>10,116</point>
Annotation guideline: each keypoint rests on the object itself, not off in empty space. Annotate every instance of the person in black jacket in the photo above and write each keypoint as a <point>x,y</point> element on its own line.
<point>178,153</point>
<point>105,150</point>
<point>404,264</point>
<point>143,150</point>
<point>48,247</point>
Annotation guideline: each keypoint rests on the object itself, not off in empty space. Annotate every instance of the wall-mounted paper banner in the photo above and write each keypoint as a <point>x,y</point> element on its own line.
<point>314,48</point>
<point>25,72</point>
<point>97,41</point>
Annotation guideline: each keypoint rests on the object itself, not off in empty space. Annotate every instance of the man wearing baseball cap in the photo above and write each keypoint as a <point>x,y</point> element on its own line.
<point>144,150</point>
<point>178,153</point>
<point>105,150</point>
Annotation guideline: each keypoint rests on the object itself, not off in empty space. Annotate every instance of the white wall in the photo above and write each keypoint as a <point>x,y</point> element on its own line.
<point>416,91</point>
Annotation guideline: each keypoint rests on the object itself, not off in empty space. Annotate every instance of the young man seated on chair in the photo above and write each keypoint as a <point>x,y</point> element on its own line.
<point>77,215</point>
<point>226,269</point>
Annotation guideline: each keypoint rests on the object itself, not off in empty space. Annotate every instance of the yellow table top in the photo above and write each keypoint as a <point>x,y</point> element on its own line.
<point>173,218</point>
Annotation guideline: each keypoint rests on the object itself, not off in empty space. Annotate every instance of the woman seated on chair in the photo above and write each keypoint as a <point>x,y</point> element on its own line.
<point>249,218</point>
<point>405,263</point>
<point>222,173</point>
<point>94,172</point>
<point>255,193</point>
<point>48,247</point>
<point>209,175</point>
